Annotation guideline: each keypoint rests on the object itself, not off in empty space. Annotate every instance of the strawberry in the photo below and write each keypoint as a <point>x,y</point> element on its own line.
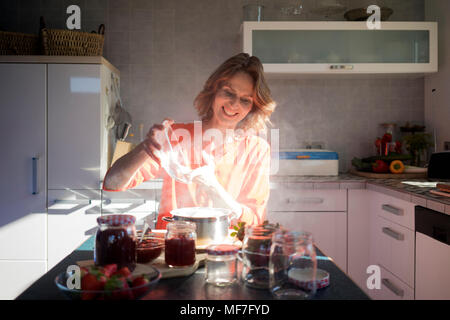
<point>123,272</point>
<point>91,282</point>
<point>117,288</point>
<point>138,282</point>
<point>109,269</point>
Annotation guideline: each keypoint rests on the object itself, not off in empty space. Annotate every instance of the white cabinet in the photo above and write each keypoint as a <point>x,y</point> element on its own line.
<point>76,146</point>
<point>23,218</point>
<point>54,112</point>
<point>342,47</point>
<point>321,212</point>
<point>392,288</point>
<point>358,236</point>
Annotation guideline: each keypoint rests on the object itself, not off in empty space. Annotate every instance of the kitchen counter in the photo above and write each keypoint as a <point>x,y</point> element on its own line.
<point>193,287</point>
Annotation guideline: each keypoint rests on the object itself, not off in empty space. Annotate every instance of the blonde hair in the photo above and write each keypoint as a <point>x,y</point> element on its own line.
<point>263,104</point>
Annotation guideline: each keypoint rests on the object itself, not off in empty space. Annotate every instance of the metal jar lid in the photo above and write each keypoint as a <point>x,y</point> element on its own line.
<point>222,249</point>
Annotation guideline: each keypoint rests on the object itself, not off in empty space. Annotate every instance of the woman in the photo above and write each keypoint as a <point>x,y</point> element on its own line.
<point>233,171</point>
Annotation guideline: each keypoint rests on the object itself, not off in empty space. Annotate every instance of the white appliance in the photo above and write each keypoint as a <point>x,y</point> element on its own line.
<point>432,254</point>
<point>305,162</point>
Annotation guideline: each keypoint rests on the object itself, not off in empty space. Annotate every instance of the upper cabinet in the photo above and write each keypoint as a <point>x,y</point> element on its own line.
<point>342,47</point>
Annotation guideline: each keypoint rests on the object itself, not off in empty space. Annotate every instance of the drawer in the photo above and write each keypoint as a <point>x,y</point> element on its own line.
<point>392,288</point>
<point>393,209</point>
<point>392,247</point>
<point>290,199</point>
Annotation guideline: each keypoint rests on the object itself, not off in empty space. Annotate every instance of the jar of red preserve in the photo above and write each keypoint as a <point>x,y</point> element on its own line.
<point>180,244</point>
<point>115,241</point>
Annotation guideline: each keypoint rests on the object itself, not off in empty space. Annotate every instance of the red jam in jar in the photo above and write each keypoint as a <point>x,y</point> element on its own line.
<point>180,244</point>
<point>115,241</point>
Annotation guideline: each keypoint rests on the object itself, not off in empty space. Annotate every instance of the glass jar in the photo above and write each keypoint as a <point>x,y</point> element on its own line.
<point>292,265</point>
<point>180,244</point>
<point>115,241</point>
<point>255,256</point>
<point>221,264</point>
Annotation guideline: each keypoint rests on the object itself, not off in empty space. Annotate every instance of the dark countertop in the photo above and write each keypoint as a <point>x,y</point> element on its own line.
<point>194,287</point>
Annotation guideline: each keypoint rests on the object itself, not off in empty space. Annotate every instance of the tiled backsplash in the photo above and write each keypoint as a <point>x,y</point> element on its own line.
<point>165,50</point>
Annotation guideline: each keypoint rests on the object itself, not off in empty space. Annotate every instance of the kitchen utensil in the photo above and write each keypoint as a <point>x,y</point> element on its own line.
<point>292,265</point>
<point>122,118</point>
<point>144,231</point>
<point>253,12</point>
<point>212,223</point>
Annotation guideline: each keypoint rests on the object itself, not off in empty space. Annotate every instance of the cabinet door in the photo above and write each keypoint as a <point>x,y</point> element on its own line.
<point>17,276</point>
<point>358,236</point>
<point>74,133</point>
<point>72,218</point>
<point>329,230</point>
<point>392,288</point>
<point>23,217</point>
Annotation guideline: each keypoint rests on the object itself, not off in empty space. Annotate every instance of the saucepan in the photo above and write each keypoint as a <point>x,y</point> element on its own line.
<point>212,223</point>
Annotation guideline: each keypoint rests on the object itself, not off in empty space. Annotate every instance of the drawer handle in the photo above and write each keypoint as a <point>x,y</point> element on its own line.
<point>391,209</point>
<point>393,234</point>
<point>398,292</point>
<point>306,200</point>
<point>76,201</point>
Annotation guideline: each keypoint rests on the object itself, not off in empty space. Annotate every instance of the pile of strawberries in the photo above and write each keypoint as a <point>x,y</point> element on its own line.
<point>115,284</point>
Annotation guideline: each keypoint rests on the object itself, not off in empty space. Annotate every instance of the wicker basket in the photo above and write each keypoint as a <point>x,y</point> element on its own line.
<point>72,43</point>
<point>15,43</point>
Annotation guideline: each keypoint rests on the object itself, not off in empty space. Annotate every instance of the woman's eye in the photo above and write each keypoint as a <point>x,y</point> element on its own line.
<point>246,102</point>
<point>229,94</point>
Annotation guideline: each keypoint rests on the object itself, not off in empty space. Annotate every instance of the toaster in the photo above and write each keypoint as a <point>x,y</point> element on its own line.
<point>439,166</point>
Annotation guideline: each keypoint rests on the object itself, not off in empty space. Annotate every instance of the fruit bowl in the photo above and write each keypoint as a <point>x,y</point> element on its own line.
<point>149,249</point>
<point>136,289</point>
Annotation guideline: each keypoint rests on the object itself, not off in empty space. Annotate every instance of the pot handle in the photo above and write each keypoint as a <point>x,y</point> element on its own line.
<point>167,219</point>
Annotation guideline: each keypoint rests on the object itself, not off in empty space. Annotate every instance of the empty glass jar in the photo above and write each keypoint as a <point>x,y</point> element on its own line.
<point>221,264</point>
<point>292,265</point>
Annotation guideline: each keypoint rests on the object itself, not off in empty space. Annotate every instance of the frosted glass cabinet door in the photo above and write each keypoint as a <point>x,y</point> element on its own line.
<point>342,46</point>
<point>74,113</point>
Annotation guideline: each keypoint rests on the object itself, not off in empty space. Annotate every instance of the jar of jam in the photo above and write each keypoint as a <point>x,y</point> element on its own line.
<point>180,244</point>
<point>115,241</point>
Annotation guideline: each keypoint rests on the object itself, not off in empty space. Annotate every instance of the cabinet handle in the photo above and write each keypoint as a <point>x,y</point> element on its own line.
<point>341,67</point>
<point>393,234</point>
<point>35,189</point>
<point>76,201</point>
<point>306,200</point>
<point>391,209</point>
<point>398,292</point>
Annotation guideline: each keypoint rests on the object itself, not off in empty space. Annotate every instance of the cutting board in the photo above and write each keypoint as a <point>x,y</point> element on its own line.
<point>440,193</point>
<point>160,264</point>
<point>373,175</point>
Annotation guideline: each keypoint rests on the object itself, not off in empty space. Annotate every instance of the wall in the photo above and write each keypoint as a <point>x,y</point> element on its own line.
<point>166,49</point>
<point>437,104</point>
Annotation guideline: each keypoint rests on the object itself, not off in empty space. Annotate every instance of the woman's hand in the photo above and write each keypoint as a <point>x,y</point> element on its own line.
<point>152,143</point>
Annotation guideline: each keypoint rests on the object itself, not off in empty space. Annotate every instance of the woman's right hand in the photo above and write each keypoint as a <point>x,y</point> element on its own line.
<point>152,143</point>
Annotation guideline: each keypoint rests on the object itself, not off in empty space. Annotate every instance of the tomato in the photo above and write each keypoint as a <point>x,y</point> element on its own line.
<point>380,166</point>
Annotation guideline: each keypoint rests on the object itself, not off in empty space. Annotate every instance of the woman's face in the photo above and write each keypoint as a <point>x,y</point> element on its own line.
<point>233,101</point>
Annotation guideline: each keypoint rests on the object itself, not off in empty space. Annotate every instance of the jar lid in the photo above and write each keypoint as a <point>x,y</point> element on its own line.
<point>222,249</point>
<point>117,220</point>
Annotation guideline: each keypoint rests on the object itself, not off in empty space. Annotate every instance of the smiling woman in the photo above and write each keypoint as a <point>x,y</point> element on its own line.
<point>234,166</point>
